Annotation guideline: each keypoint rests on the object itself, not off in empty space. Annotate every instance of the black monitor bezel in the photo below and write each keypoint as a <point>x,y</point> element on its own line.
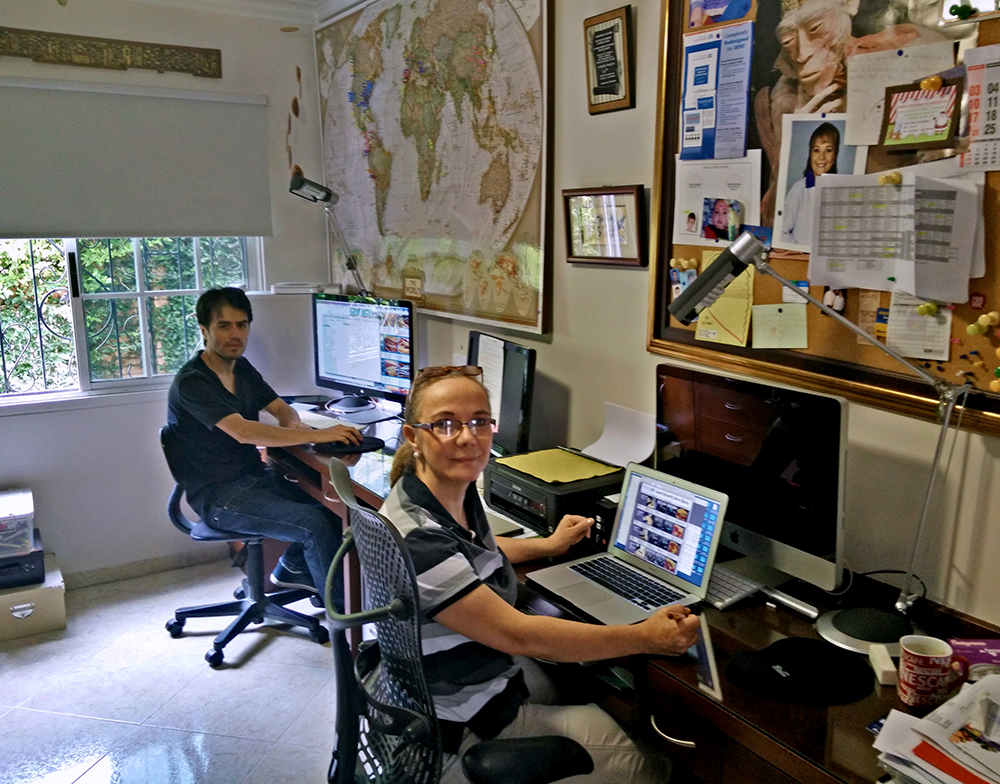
<point>527,391</point>
<point>346,387</point>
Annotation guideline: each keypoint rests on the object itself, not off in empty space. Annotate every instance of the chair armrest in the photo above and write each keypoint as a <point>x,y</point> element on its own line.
<point>540,760</point>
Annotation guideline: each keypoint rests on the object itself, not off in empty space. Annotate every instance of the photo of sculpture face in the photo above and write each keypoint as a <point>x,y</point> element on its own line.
<point>814,40</point>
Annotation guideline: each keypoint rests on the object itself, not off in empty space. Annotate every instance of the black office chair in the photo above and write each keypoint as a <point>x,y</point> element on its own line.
<point>387,730</point>
<point>252,605</point>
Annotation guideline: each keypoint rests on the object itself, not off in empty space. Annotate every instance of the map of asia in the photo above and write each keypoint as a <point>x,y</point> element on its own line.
<point>433,137</point>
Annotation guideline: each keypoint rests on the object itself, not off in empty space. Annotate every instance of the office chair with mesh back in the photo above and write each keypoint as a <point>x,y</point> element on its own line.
<point>387,730</point>
<point>252,604</point>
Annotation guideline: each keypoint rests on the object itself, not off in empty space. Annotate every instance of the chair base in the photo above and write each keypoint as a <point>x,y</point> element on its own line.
<point>252,605</point>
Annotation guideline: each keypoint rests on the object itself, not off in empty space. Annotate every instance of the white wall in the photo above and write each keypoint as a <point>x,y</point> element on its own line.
<point>104,484</point>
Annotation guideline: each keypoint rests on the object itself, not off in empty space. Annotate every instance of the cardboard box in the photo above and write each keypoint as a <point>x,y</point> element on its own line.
<point>36,608</point>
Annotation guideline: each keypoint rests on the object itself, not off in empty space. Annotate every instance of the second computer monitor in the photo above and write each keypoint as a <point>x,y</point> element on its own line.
<point>509,375</point>
<point>363,347</point>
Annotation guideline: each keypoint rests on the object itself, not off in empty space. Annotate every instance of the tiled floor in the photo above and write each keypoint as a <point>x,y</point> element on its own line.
<point>113,699</point>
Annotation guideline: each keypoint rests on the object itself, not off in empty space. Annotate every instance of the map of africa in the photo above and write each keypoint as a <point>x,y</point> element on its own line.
<point>433,137</point>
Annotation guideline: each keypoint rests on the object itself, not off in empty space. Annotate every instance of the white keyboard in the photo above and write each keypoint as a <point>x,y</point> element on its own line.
<point>727,587</point>
<point>320,421</point>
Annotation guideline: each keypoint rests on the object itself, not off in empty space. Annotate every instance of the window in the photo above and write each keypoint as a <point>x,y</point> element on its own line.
<point>128,321</point>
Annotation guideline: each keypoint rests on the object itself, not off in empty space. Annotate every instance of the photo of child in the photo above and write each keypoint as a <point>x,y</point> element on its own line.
<point>691,223</point>
<point>721,219</point>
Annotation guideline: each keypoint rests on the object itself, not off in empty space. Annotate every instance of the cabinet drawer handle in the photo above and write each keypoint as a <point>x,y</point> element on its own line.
<point>292,479</point>
<point>734,439</point>
<point>331,500</point>
<point>687,744</point>
<point>733,406</point>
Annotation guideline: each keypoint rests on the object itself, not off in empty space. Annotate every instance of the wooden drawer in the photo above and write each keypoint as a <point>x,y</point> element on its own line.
<point>728,402</point>
<point>730,440</point>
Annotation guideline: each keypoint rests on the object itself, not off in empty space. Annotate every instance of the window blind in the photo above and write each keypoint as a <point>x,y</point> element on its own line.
<point>79,159</point>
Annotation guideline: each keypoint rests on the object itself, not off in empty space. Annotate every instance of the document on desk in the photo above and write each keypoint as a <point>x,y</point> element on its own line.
<point>557,465</point>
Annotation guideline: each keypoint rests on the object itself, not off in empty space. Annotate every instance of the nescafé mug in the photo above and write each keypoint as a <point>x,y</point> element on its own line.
<point>927,670</point>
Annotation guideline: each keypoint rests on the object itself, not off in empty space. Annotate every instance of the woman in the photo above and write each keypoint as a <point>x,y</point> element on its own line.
<point>471,631</point>
<point>796,221</point>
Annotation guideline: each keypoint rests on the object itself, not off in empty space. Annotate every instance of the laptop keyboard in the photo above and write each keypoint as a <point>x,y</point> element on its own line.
<point>627,583</point>
<point>727,587</point>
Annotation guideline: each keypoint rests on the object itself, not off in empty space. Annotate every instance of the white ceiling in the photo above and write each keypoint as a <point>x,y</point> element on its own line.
<point>306,12</point>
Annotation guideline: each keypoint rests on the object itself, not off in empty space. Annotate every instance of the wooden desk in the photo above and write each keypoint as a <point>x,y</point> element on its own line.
<point>744,738</point>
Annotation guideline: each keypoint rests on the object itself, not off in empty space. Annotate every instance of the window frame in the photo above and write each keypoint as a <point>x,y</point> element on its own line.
<point>149,381</point>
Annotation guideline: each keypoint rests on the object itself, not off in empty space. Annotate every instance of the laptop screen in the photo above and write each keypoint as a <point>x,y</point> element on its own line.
<point>669,526</point>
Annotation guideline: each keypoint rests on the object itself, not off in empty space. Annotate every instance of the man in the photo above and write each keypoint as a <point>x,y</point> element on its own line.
<point>816,40</point>
<point>213,409</point>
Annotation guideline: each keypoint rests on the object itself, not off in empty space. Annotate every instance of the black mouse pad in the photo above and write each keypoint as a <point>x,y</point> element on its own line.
<point>802,670</point>
<point>368,444</point>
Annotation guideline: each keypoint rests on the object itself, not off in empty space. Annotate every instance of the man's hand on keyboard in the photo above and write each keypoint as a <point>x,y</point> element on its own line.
<point>344,434</point>
<point>672,630</point>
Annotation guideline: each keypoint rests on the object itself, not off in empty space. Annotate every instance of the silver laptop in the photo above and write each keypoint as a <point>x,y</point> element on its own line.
<point>661,551</point>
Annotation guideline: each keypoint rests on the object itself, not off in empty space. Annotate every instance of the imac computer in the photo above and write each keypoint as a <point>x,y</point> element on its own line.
<point>509,375</point>
<point>779,455</point>
<point>363,347</point>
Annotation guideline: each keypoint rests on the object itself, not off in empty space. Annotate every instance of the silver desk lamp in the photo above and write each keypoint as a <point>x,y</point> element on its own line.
<point>313,191</point>
<point>856,628</point>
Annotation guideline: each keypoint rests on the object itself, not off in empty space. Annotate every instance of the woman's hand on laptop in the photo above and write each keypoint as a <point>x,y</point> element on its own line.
<point>672,630</point>
<point>571,529</point>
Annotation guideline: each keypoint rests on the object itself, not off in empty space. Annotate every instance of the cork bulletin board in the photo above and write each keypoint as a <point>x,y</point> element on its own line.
<point>835,361</point>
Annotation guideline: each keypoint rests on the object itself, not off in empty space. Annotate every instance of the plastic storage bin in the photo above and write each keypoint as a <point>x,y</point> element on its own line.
<point>17,522</point>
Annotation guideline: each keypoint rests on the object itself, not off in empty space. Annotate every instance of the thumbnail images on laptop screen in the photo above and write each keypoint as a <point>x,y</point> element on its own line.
<point>667,527</point>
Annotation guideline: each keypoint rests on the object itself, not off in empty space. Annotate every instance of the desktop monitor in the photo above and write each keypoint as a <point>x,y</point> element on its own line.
<point>509,375</point>
<point>362,347</point>
<point>780,456</point>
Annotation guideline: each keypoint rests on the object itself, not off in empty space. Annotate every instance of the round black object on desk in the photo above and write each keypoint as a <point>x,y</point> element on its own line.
<point>799,669</point>
<point>368,444</point>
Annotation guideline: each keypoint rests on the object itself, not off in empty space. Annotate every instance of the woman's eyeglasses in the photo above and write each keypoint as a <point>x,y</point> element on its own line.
<point>449,428</point>
<point>443,370</point>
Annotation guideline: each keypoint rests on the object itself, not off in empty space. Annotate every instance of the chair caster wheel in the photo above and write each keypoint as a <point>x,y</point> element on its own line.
<point>239,593</point>
<point>316,600</point>
<point>214,658</point>
<point>175,627</point>
<point>320,635</point>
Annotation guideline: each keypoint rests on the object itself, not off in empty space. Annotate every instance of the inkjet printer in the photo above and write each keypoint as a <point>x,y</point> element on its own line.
<point>540,505</point>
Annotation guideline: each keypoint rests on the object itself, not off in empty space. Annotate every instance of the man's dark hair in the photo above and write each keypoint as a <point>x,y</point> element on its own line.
<point>213,300</point>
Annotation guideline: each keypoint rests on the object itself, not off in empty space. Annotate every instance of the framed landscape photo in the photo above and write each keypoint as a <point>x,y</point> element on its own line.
<point>610,77</point>
<point>605,225</point>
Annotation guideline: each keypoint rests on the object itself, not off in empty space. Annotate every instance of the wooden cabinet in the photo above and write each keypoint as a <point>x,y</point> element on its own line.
<point>718,416</point>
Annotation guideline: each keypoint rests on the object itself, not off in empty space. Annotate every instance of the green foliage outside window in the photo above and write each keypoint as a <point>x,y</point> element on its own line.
<point>36,321</point>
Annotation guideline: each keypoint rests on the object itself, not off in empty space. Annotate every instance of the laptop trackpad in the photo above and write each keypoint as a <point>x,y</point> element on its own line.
<point>584,594</point>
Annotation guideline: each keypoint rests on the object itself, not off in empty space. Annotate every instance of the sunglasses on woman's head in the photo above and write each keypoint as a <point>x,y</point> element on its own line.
<point>438,371</point>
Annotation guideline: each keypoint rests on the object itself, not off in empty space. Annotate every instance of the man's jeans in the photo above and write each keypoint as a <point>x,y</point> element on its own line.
<point>273,507</point>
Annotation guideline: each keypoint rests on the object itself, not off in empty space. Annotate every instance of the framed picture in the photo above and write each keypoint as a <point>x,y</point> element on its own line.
<point>606,225</point>
<point>918,119</point>
<point>610,78</point>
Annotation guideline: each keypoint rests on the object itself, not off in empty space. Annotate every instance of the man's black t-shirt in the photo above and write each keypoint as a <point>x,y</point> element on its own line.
<point>197,401</point>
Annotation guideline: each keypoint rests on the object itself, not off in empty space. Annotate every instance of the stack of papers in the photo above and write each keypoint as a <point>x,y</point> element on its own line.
<point>959,743</point>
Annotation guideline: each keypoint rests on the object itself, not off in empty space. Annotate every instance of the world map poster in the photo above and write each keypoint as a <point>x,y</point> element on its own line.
<point>434,138</point>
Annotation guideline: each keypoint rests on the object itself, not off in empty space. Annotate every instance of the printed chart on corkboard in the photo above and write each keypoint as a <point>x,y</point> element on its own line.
<point>902,242</point>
